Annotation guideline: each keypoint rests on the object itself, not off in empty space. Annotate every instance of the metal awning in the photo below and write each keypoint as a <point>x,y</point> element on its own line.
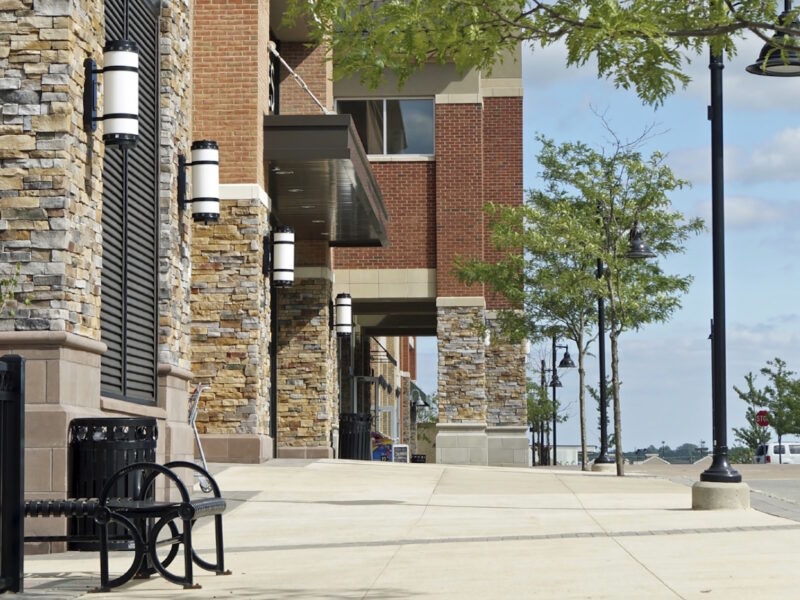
<point>320,181</point>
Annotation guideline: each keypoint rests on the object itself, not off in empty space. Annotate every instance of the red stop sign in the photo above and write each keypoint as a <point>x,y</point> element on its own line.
<point>762,418</point>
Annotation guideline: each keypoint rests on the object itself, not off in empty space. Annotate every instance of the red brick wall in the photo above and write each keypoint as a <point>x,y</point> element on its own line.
<point>309,253</point>
<point>311,65</point>
<point>408,190</point>
<point>459,193</point>
<point>408,356</point>
<point>226,104</point>
<point>436,209</point>
<point>502,160</point>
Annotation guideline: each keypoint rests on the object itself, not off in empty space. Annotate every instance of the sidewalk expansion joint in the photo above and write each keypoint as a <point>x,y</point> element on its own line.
<point>512,538</point>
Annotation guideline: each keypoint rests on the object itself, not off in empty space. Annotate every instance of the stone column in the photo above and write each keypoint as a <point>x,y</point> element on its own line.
<point>461,431</point>
<point>230,327</point>
<point>506,415</point>
<point>307,376</point>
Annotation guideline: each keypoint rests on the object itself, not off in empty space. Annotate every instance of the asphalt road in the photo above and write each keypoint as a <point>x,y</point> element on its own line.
<point>774,489</point>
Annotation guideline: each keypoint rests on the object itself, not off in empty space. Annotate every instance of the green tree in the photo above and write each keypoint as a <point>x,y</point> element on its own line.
<point>552,282</point>
<point>740,455</point>
<point>613,190</point>
<point>589,202</point>
<point>754,434</point>
<point>540,411</point>
<point>781,398</point>
<point>639,44</point>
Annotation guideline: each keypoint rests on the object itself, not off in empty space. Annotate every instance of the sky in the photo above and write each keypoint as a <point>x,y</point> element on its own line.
<point>665,369</point>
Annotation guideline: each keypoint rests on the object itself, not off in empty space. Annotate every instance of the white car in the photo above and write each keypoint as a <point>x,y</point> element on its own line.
<point>773,453</point>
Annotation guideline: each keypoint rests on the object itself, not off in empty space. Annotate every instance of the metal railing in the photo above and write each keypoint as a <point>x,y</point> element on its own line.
<point>12,469</point>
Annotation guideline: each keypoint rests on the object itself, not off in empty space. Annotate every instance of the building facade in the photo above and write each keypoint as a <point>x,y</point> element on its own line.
<point>124,302</point>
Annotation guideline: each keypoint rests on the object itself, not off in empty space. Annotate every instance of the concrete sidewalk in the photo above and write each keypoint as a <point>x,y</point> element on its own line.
<point>346,529</point>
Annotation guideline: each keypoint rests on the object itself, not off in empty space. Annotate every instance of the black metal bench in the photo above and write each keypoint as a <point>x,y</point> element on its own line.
<point>144,519</point>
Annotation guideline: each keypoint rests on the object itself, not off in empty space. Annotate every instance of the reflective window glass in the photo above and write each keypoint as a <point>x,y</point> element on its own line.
<point>368,119</point>
<point>409,127</point>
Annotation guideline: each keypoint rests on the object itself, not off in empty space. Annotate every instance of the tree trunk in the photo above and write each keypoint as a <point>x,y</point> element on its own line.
<point>582,403</point>
<point>613,336</point>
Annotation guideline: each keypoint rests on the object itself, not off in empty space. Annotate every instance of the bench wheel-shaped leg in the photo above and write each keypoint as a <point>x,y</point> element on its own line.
<point>186,539</point>
<point>103,518</point>
<point>219,566</point>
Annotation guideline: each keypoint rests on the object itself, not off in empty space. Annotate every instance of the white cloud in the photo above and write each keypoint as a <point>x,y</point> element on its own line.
<point>770,161</point>
<point>776,159</point>
<point>546,67</point>
<point>745,212</point>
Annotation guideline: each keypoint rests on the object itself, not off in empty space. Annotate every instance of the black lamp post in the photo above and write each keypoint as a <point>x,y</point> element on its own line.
<point>566,363</point>
<point>771,62</point>
<point>637,249</point>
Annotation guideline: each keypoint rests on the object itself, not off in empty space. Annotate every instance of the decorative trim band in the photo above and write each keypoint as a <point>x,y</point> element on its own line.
<point>244,191</point>
<point>455,301</point>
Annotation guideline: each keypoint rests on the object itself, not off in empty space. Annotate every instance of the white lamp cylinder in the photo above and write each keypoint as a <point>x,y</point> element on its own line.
<point>121,92</point>
<point>343,322</point>
<point>283,257</point>
<point>205,181</point>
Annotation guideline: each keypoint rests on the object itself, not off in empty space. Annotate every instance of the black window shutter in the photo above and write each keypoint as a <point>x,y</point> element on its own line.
<point>129,310</point>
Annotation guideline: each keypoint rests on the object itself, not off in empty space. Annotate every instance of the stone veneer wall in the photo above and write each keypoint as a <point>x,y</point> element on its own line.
<point>49,183</point>
<point>462,365</point>
<point>230,324</point>
<point>505,379</point>
<point>50,225</point>
<point>174,254</point>
<point>307,378</point>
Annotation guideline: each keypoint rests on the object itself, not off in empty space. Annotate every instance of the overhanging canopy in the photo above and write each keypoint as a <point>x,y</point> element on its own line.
<point>320,181</point>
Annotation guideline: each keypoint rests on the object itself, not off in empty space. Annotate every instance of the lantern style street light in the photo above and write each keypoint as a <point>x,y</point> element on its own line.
<point>637,249</point>
<point>555,382</point>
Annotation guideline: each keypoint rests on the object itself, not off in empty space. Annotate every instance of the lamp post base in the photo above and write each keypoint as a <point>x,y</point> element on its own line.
<point>721,471</point>
<point>604,467</point>
<point>710,495</point>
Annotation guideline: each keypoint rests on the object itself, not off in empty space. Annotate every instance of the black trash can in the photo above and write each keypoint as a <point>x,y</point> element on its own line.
<point>354,436</point>
<point>98,448</point>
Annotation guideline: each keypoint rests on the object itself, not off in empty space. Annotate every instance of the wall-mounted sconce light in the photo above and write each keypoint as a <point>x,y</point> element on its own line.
<point>205,181</point>
<point>487,333</point>
<point>344,315</point>
<point>397,392</point>
<point>283,257</point>
<point>120,95</point>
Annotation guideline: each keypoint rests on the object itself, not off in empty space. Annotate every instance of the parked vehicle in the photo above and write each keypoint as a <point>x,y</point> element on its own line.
<point>773,453</point>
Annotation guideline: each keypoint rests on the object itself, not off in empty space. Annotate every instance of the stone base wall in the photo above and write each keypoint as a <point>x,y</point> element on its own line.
<point>62,383</point>
<point>236,447</point>
<point>462,444</point>
<point>508,446</point>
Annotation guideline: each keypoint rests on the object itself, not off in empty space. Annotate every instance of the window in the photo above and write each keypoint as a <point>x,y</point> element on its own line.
<point>794,448</point>
<point>780,449</point>
<point>393,125</point>
<point>129,303</point>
